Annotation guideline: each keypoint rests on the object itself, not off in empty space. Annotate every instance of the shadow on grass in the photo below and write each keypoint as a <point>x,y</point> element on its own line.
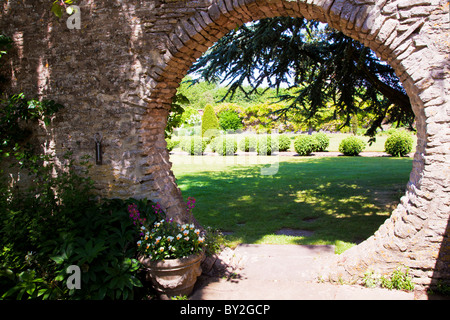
<point>339,199</point>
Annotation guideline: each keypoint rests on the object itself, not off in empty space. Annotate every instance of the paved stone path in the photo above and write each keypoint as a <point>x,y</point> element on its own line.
<point>280,272</point>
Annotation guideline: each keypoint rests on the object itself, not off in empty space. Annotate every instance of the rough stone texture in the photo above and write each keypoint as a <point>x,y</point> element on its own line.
<point>118,73</point>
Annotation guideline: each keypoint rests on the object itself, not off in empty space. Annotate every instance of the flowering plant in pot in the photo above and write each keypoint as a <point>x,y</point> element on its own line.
<point>171,253</point>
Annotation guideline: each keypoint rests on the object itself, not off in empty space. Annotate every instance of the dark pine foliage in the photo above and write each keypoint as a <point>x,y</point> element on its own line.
<point>317,63</point>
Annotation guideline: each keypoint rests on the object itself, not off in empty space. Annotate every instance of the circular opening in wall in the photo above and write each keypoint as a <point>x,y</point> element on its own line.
<point>318,199</point>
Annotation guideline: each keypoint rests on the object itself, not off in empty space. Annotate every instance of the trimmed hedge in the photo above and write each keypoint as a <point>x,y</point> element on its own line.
<point>266,145</point>
<point>351,146</point>
<point>248,143</point>
<point>194,145</point>
<point>284,142</point>
<point>210,123</point>
<point>171,144</point>
<point>322,141</point>
<point>399,143</point>
<point>225,145</point>
<point>304,145</point>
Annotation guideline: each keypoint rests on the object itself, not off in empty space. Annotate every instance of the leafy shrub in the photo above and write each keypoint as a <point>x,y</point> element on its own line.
<point>170,144</point>
<point>305,144</point>
<point>351,146</point>
<point>16,109</point>
<point>399,280</point>
<point>57,223</point>
<point>399,143</point>
<point>103,245</point>
<point>284,142</point>
<point>322,141</point>
<point>229,120</point>
<point>225,145</point>
<point>210,123</point>
<point>266,145</point>
<point>248,143</point>
<point>194,145</point>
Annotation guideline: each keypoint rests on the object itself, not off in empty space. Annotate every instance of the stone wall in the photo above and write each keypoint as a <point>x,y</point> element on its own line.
<point>117,75</point>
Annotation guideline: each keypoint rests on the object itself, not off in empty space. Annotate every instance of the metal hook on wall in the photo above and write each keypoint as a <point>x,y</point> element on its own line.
<point>98,148</point>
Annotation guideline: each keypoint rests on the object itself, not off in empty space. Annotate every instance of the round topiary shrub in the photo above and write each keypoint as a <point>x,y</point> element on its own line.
<point>399,143</point>
<point>266,145</point>
<point>226,145</point>
<point>284,142</point>
<point>229,120</point>
<point>322,141</point>
<point>248,144</point>
<point>194,145</point>
<point>305,144</point>
<point>351,146</point>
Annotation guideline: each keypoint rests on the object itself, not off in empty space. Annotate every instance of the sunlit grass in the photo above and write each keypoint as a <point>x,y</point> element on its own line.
<point>343,200</point>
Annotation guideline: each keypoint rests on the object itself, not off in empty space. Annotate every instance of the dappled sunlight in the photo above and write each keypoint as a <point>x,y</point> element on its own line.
<point>336,199</point>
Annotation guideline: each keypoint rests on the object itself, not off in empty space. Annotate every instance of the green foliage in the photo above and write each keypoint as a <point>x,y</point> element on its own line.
<point>194,145</point>
<point>351,146</point>
<point>323,141</point>
<point>399,280</point>
<point>248,143</point>
<point>266,145</point>
<point>225,145</point>
<point>171,144</point>
<point>56,223</point>
<point>399,143</point>
<point>199,94</point>
<point>229,120</point>
<point>57,7</point>
<point>5,43</point>
<point>354,125</point>
<point>304,145</point>
<point>210,123</point>
<point>320,64</point>
<point>284,142</point>
<point>214,241</point>
<point>16,110</point>
<point>175,118</point>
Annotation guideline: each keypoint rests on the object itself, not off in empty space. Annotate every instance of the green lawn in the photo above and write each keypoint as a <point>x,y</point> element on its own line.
<point>343,200</point>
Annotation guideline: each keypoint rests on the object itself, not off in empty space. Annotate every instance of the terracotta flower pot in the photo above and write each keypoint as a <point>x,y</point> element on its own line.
<point>173,277</point>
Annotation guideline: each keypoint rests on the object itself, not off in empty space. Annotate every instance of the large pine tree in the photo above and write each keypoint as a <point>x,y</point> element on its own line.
<point>320,64</point>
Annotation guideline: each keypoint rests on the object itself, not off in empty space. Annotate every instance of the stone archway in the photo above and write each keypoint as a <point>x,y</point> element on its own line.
<point>118,73</point>
<point>411,37</point>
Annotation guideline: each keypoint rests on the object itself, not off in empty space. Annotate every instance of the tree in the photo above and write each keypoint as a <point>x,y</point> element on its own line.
<point>210,123</point>
<point>317,63</point>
